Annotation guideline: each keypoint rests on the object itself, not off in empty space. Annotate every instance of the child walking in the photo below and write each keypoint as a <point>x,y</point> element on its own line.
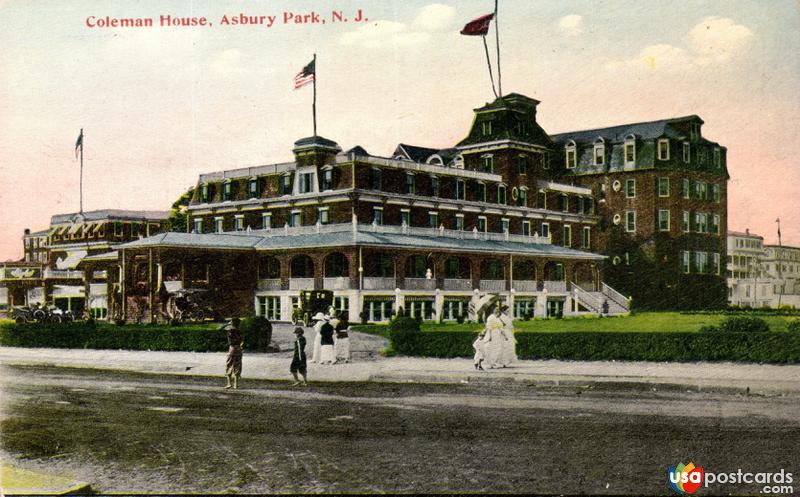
<point>480,352</point>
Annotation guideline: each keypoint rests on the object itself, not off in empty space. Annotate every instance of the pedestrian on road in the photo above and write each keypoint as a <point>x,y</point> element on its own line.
<point>233,363</point>
<point>479,346</point>
<point>327,354</point>
<point>495,338</point>
<point>316,351</point>
<point>299,358</point>
<point>508,354</point>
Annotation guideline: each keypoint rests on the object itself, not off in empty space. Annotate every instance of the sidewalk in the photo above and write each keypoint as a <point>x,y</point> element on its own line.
<point>755,378</point>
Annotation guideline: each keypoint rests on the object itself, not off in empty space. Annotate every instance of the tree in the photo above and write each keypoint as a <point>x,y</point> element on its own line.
<point>177,215</point>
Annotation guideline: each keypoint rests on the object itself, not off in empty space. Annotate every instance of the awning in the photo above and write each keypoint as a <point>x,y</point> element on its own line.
<point>74,228</point>
<point>53,231</point>
<point>61,230</point>
<point>72,259</point>
<point>97,227</point>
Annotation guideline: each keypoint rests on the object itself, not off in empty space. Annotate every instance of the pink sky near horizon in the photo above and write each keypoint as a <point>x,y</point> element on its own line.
<point>160,106</point>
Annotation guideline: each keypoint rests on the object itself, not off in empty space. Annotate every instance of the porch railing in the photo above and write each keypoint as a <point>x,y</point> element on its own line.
<point>301,284</point>
<point>337,283</point>
<point>492,285</point>
<point>379,283</point>
<point>555,286</point>
<point>526,285</point>
<point>457,284</point>
<point>420,284</point>
<point>269,284</point>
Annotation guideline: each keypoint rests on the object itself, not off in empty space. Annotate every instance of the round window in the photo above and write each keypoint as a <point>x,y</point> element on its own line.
<point>617,218</point>
<point>616,185</point>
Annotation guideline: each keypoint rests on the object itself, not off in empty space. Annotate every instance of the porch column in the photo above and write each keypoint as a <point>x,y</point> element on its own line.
<point>319,270</point>
<point>352,268</point>
<point>286,270</point>
<point>400,270</point>
<point>87,280</point>
<point>475,271</point>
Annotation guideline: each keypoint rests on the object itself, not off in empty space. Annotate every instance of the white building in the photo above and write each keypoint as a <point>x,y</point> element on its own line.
<point>762,275</point>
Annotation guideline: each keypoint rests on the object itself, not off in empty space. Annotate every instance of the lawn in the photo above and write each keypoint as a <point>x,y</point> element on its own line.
<point>643,321</point>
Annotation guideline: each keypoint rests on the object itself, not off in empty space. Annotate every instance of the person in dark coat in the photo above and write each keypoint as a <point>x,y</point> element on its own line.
<point>233,363</point>
<point>327,355</point>
<point>299,357</point>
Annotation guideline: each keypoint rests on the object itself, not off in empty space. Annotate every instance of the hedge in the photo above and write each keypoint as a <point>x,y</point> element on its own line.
<point>82,335</point>
<point>633,346</point>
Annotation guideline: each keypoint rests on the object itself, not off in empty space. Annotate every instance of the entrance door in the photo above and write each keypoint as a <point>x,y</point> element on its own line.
<point>555,308</point>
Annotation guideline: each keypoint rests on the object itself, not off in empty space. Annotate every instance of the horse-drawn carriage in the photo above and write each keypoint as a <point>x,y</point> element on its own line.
<point>310,303</point>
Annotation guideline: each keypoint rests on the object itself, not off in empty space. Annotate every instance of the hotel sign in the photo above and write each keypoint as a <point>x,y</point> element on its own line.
<point>20,273</point>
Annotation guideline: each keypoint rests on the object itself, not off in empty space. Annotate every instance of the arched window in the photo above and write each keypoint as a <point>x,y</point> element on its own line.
<point>599,154</point>
<point>502,194</point>
<point>416,266</point>
<point>630,150</point>
<point>571,154</point>
<point>269,267</point>
<point>491,269</point>
<point>302,267</point>
<point>336,265</point>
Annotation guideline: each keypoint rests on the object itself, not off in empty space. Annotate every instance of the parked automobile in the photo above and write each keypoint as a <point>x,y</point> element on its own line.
<point>194,304</point>
<point>310,303</point>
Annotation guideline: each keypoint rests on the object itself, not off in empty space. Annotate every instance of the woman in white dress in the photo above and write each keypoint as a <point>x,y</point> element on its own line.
<point>509,349</point>
<point>316,350</point>
<point>495,338</point>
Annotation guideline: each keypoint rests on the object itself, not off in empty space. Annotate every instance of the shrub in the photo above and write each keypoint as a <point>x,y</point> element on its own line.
<point>708,329</point>
<point>744,324</point>
<point>257,333</point>
<point>794,326</point>
<point>404,334</point>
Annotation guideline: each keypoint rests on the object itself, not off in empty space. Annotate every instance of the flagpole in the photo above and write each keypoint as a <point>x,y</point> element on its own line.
<point>81,181</point>
<point>779,230</point>
<point>497,41</point>
<point>314,104</point>
<point>489,63</point>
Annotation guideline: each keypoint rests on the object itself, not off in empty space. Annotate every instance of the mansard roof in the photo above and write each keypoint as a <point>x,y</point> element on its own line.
<point>110,215</point>
<point>513,118</point>
<point>617,134</point>
<point>413,152</point>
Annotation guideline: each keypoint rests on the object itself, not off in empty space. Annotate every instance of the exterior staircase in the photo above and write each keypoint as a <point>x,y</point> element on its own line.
<point>607,301</point>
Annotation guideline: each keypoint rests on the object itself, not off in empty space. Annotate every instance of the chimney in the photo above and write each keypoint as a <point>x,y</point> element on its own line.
<point>747,231</point>
<point>27,231</point>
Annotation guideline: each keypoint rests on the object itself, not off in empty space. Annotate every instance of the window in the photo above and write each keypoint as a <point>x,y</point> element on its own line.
<point>715,224</point>
<point>599,153</point>
<point>663,149</point>
<point>715,192</point>
<point>204,196</point>
<point>286,184</point>
<point>630,221</point>
<point>488,164</point>
<point>717,158</point>
<point>482,224</point>
<point>501,194</point>
<point>134,230</point>
<point>486,128</point>
<point>700,222</point>
<point>522,164</point>
<point>685,262</point>
<point>411,183</point>
<point>687,152</point>
<point>377,216</point>
<point>663,220</point>
<point>702,156</point>
<point>198,226</point>
<point>117,228</point>
<point>481,191</point>
<point>522,199</point>
<point>433,219</point>
<point>219,224</point>
<point>460,222</point>
<point>544,230</point>
<point>435,186</point>
<point>586,238</point>
<point>252,188</point>
<point>327,179</point>
<point>630,150</point>
<point>375,179</point>
<point>269,307</point>
<point>701,190</point>
<point>542,199</point>
<point>571,156</point>
<point>461,190</point>
<point>581,208</point>
<point>567,241</point>
<point>563,201</point>
<point>715,263</point>
<point>306,185</point>
<point>630,188</point>
<point>404,214</point>
<point>685,222</point>
<point>324,215</point>
<point>701,262</point>
<point>505,225</point>
<point>266,220</point>
<point>663,187</point>
<point>296,219</point>
<point>227,190</point>
<point>694,131</point>
<point>238,222</point>
<point>526,228</point>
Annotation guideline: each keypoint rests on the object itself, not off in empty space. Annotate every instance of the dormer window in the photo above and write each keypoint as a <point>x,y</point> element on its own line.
<point>488,163</point>
<point>227,189</point>
<point>687,152</point>
<point>694,131</point>
<point>630,150</point>
<point>286,184</point>
<point>571,155</point>
<point>486,128</point>
<point>522,164</point>
<point>238,222</point>
<point>663,149</point>
<point>458,163</point>
<point>306,183</point>
<point>198,225</point>
<point>599,154</point>
<point>252,188</point>
<point>204,196</point>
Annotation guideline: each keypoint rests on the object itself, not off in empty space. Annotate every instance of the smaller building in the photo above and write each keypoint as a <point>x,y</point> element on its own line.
<point>762,275</point>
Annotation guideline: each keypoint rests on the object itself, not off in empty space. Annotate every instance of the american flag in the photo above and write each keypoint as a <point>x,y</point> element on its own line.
<point>305,76</point>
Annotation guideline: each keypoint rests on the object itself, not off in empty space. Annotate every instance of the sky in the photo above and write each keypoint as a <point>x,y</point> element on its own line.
<point>161,105</point>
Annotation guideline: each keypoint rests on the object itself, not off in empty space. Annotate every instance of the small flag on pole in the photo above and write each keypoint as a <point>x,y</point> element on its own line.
<point>79,144</point>
<point>305,76</point>
<point>478,27</point>
<point>779,230</point>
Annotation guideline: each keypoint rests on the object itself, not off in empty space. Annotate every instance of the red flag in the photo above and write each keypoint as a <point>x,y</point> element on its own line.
<point>478,27</point>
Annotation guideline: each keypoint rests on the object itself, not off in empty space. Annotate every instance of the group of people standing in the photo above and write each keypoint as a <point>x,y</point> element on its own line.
<point>495,346</point>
